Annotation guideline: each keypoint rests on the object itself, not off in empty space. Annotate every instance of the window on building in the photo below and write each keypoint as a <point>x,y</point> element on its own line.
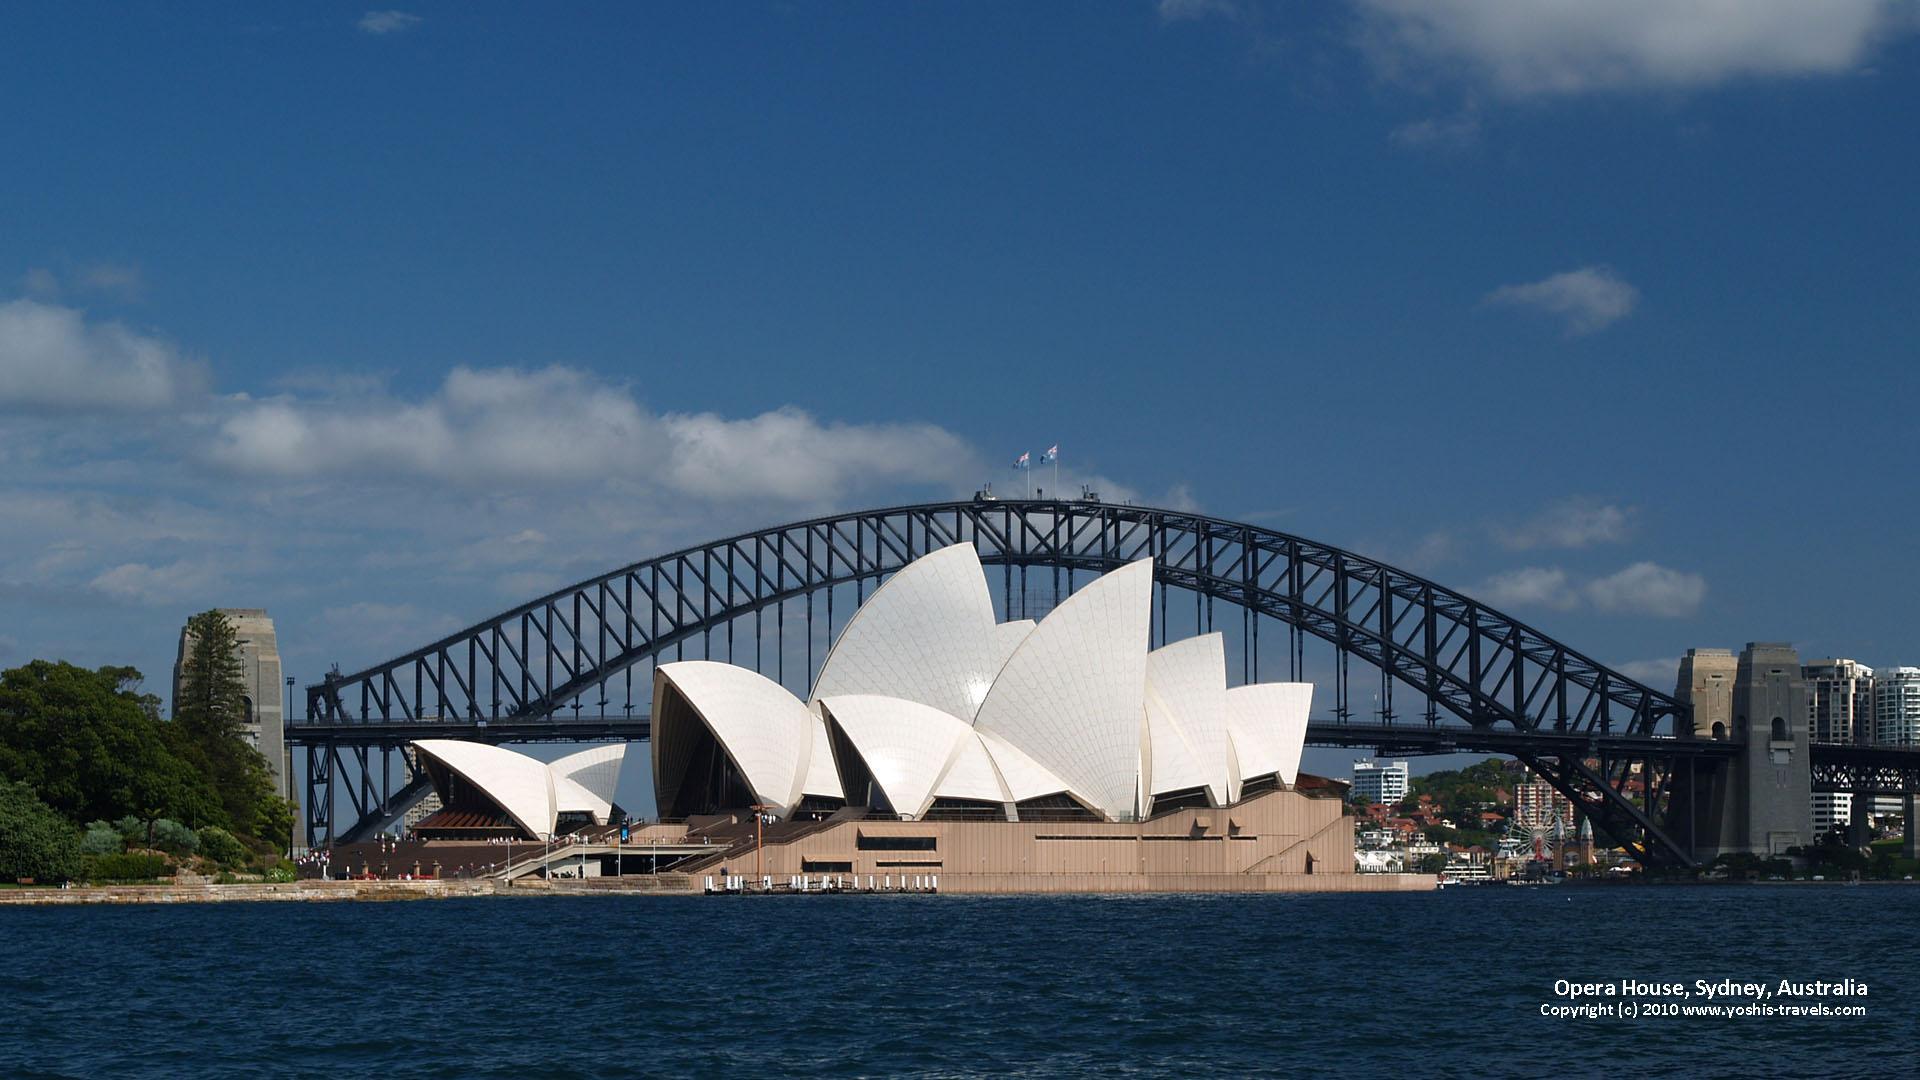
<point>885,842</point>
<point>1780,729</point>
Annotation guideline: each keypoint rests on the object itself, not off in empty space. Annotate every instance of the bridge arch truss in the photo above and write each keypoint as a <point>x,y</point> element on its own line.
<point>1470,677</point>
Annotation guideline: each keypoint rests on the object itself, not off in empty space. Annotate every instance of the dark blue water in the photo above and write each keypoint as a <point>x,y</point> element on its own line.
<point>1446,984</point>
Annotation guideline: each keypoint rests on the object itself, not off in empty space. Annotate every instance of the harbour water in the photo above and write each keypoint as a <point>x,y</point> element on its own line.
<point>1438,984</point>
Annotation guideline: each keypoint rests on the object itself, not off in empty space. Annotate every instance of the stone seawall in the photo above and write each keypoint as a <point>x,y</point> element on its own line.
<point>261,892</point>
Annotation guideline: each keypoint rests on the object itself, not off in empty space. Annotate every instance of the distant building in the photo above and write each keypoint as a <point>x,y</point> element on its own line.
<point>1380,781</point>
<point>260,668</point>
<point>1839,701</point>
<point>1896,707</point>
<point>1832,810</point>
<point>1536,805</point>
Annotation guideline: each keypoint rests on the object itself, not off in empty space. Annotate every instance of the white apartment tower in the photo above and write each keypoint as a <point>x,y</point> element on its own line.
<point>1896,707</point>
<point>1380,781</point>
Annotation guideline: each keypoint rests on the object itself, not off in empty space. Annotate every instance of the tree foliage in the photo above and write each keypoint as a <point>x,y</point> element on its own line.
<point>35,841</point>
<point>102,839</point>
<point>212,709</point>
<point>220,845</point>
<point>92,746</point>
<point>212,703</point>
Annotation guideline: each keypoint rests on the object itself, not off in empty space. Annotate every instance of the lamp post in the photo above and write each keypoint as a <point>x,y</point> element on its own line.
<point>759,818</point>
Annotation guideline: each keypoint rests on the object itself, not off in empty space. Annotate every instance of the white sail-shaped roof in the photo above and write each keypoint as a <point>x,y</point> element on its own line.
<point>971,773</point>
<point>518,784</point>
<point>822,778</point>
<point>572,797</point>
<point>766,732</point>
<point>1007,637</point>
<point>1268,725</point>
<point>1172,764</point>
<point>597,768</point>
<point>926,635</point>
<point>1188,681</point>
<point>1071,696</point>
<point>1024,777</point>
<point>906,745</point>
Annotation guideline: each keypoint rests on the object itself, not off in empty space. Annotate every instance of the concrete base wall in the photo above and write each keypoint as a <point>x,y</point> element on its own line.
<point>1185,883</point>
<point>1274,840</point>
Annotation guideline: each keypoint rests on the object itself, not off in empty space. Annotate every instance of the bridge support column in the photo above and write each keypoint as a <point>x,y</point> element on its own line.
<point>1858,832</point>
<point>1908,845</point>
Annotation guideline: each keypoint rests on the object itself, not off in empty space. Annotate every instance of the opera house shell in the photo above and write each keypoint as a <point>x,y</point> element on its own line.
<point>927,708</point>
<point>490,791</point>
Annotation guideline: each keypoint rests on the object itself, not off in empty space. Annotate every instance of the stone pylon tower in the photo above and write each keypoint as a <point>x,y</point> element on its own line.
<point>260,667</point>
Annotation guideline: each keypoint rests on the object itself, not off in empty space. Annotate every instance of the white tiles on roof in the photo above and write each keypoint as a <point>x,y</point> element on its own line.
<point>1071,696</point>
<point>1268,725</point>
<point>518,784</point>
<point>1024,777</point>
<point>597,768</point>
<point>971,773</point>
<point>822,779</point>
<point>926,635</point>
<point>766,731</point>
<point>905,745</point>
<point>1172,764</point>
<point>1187,680</point>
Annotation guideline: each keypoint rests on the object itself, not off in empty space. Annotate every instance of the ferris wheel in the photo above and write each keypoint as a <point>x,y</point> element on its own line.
<point>1539,835</point>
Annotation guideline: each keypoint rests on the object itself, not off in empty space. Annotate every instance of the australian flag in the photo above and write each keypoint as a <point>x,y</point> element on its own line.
<point>1024,461</point>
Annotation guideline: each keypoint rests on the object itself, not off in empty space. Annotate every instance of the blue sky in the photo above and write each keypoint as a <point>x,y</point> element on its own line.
<point>386,320</point>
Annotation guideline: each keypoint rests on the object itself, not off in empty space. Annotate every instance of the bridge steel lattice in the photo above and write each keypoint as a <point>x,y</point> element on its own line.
<point>560,666</point>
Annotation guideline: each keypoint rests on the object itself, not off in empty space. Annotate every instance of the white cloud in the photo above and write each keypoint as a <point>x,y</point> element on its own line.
<point>1570,523</point>
<point>1531,586</point>
<point>1552,47</point>
<point>1659,674</point>
<point>1644,588</point>
<point>1187,10</point>
<point>144,584</point>
<point>51,357</point>
<point>1588,299</point>
<point>1647,588</point>
<point>1454,132</point>
<point>387,22</point>
<point>787,453</point>
<point>557,425</point>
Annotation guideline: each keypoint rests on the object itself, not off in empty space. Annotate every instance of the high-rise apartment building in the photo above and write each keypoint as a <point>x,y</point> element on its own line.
<point>1380,781</point>
<point>1896,706</point>
<point>1839,700</point>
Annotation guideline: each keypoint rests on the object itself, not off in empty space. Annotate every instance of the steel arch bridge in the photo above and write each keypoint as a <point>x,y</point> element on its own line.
<point>1481,680</point>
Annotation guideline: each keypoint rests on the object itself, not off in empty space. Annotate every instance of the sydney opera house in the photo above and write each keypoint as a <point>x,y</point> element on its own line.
<point>1060,755</point>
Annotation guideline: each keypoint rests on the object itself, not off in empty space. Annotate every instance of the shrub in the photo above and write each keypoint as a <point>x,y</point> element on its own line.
<point>281,872</point>
<point>102,839</point>
<point>132,829</point>
<point>126,866</point>
<point>174,838</point>
<point>219,845</point>
<point>35,842</point>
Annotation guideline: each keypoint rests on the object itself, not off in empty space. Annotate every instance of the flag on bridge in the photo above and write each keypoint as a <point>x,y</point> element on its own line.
<point>1052,454</point>
<point>1024,461</point>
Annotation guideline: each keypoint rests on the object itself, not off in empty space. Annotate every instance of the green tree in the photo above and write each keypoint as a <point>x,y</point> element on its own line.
<point>212,707</point>
<point>1432,863</point>
<point>212,711</point>
<point>93,746</point>
<point>219,845</point>
<point>35,842</point>
<point>102,839</point>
